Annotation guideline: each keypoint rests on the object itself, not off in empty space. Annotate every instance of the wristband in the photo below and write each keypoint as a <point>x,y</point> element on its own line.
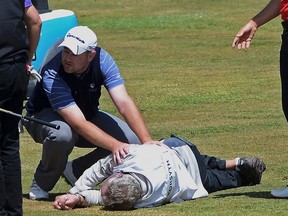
<point>79,199</point>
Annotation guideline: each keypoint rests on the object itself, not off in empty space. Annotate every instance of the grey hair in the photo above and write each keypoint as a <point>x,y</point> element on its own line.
<point>122,193</point>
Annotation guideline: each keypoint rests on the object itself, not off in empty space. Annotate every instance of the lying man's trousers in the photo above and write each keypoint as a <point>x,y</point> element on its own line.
<point>213,171</point>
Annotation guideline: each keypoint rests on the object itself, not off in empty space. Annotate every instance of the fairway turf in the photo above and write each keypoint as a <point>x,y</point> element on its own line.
<point>179,67</point>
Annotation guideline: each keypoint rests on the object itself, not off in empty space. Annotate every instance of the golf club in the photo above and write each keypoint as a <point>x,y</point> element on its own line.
<point>31,119</point>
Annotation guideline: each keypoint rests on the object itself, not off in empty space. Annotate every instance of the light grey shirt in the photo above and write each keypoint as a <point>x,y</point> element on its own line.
<point>163,176</point>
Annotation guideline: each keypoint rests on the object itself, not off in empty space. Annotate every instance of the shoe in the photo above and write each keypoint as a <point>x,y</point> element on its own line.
<point>280,193</point>
<point>68,174</point>
<point>37,193</point>
<point>251,169</point>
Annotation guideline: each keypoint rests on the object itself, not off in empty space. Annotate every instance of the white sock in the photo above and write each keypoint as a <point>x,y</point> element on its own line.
<point>237,162</point>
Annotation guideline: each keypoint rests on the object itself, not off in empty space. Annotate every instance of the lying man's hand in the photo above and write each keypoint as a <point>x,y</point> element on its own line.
<point>66,201</point>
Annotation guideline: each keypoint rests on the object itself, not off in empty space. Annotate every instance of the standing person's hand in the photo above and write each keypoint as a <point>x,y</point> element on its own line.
<point>243,38</point>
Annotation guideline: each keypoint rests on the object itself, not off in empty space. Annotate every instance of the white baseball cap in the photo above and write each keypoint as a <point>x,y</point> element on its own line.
<point>80,39</point>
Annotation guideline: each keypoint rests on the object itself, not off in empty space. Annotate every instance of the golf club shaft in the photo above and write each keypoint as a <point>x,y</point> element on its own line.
<point>31,119</point>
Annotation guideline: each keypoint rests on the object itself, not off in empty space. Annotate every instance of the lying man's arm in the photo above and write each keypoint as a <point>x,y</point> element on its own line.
<point>83,193</point>
<point>70,201</point>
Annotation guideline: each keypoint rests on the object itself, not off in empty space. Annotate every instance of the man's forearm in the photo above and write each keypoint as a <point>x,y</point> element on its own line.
<point>268,13</point>
<point>97,136</point>
<point>34,24</point>
<point>134,119</point>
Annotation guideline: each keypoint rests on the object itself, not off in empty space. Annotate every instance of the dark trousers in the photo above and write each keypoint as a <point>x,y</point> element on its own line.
<point>284,72</point>
<point>13,88</point>
<point>213,171</point>
<point>217,177</point>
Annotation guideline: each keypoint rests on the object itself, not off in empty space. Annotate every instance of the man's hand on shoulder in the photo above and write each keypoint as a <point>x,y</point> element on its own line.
<point>120,152</point>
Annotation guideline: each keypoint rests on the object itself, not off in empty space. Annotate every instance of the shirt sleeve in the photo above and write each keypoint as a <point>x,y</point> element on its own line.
<point>110,71</point>
<point>57,90</point>
<point>92,197</point>
<point>28,3</point>
<point>93,176</point>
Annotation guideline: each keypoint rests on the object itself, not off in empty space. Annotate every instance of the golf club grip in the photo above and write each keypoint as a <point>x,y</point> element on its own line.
<point>57,127</point>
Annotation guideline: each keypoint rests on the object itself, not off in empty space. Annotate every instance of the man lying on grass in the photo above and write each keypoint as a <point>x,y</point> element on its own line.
<point>153,175</point>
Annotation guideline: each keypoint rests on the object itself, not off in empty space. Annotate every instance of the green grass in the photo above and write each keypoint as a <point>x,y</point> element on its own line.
<point>176,58</point>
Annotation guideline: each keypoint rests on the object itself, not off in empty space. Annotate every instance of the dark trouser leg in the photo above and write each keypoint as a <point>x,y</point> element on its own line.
<point>214,163</point>
<point>284,72</point>
<point>217,180</point>
<point>13,88</point>
<point>112,126</point>
<point>212,170</point>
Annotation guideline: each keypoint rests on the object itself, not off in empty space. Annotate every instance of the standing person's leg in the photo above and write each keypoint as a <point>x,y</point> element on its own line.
<point>57,145</point>
<point>284,72</point>
<point>11,163</point>
<point>283,193</point>
<point>13,89</point>
<point>113,126</point>
<point>2,180</point>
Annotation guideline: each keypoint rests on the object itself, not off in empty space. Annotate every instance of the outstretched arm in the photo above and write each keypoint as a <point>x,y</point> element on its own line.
<point>70,201</point>
<point>243,38</point>
<point>82,194</point>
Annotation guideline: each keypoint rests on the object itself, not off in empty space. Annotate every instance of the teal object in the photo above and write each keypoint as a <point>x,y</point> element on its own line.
<point>55,24</point>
